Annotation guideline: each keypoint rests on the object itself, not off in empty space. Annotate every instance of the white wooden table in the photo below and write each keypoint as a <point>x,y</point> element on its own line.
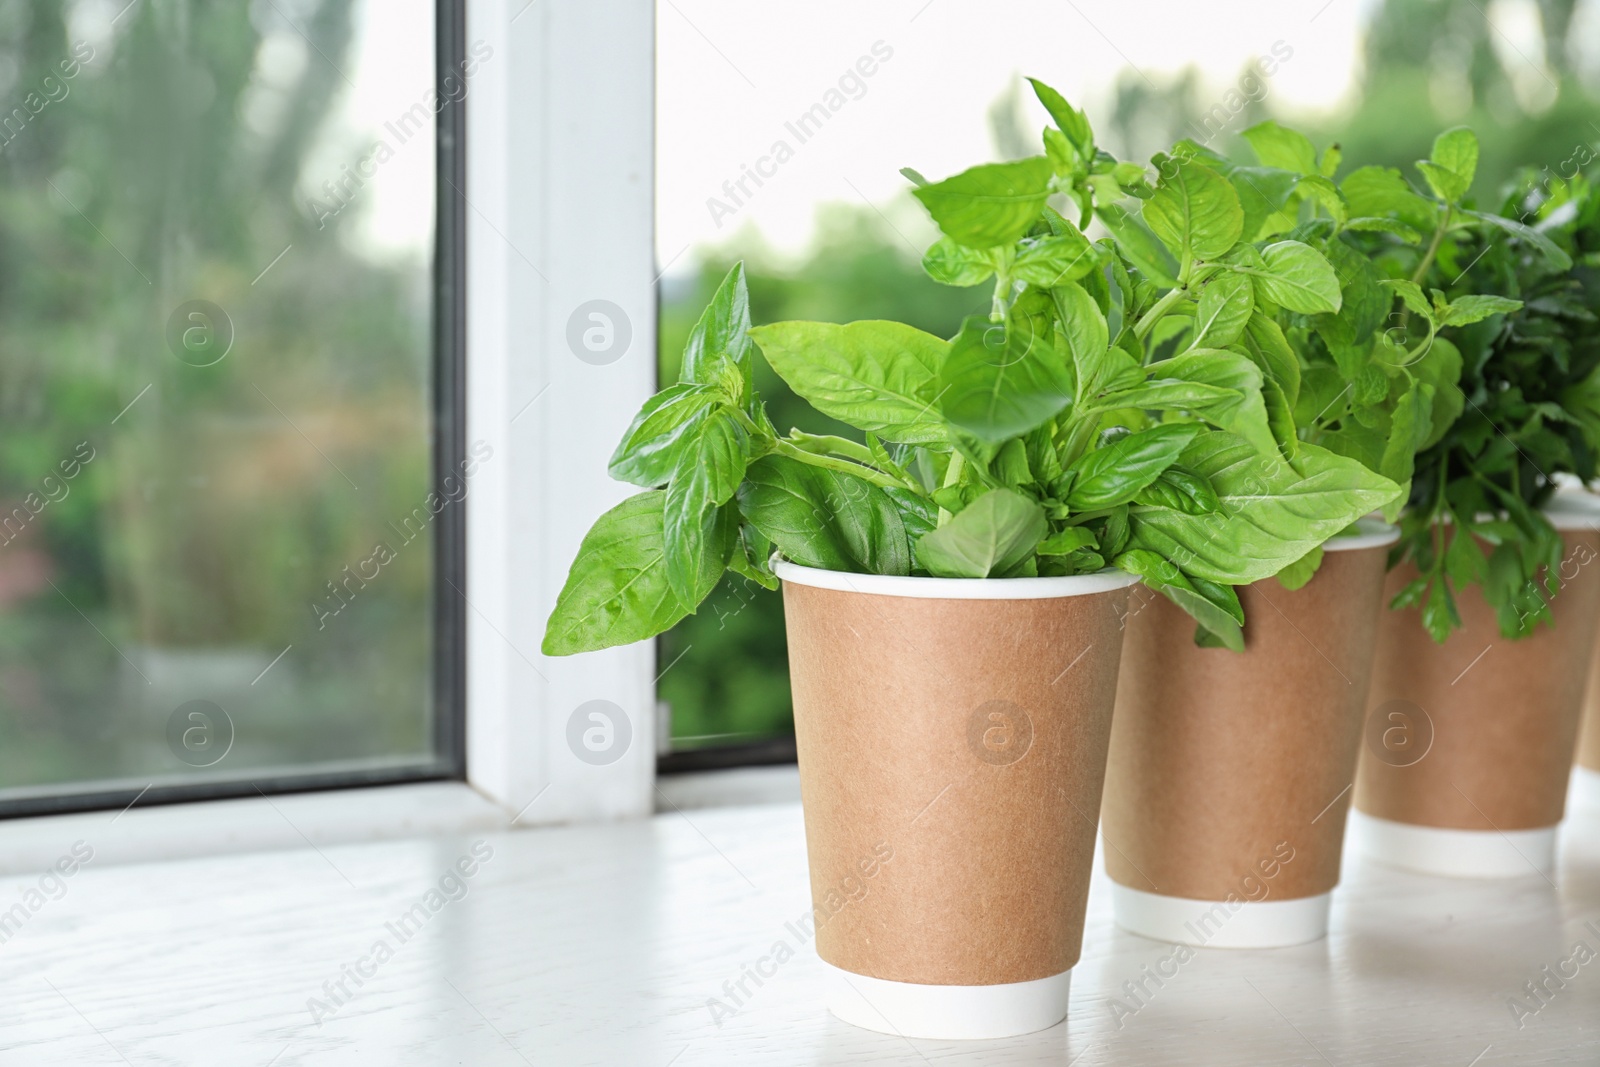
<point>604,945</point>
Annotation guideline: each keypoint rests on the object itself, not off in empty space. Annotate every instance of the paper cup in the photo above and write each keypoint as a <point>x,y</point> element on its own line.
<point>1469,744</point>
<point>1230,773</point>
<point>952,741</point>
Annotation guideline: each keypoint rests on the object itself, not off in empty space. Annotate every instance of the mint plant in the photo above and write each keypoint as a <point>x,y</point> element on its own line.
<point>1039,441</point>
<point>1528,403</point>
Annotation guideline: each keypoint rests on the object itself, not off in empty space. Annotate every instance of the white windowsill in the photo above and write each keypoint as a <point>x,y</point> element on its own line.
<point>250,824</point>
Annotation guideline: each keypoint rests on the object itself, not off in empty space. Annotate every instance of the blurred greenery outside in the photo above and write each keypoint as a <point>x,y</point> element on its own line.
<point>189,552</point>
<point>1427,65</point>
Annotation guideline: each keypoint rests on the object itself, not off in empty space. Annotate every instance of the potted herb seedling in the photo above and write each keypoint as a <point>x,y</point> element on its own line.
<point>1480,672</point>
<point>1227,747</point>
<point>954,584</point>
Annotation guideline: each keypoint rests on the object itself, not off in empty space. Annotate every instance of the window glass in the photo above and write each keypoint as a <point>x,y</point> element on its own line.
<point>217,242</point>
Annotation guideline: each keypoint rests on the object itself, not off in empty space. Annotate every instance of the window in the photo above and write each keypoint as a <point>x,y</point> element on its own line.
<point>232,455</point>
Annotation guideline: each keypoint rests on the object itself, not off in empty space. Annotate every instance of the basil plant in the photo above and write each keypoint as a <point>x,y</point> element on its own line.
<point>1041,440</point>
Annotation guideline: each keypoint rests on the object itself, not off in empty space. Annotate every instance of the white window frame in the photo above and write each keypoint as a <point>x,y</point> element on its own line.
<point>560,194</point>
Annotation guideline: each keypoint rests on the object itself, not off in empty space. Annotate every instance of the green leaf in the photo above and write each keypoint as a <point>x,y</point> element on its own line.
<point>1324,192</point>
<point>617,591</point>
<point>1140,245</point>
<point>721,334</point>
<point>1440,367</point>
<point>1221,619</point>
<point>1180,490</point>
<point>1381,191</point>
<point>1115,473</point>
<point>1298,277</point>
<point>1372,224</point>
<point>1070,121</point>
<point>996,384</point>
<point>878,376</point>
<point>1555,257</point>
<point>706,477</point>
<point>991,536</point>
<point>1067,541</point>
<point>1264,342</point>
<point>1411,426</point>
<point>1278,146</point>
<point>1456,150</point>
<point>1466,310</point>
<point>1446,184</point>
<point>1097,368</point>
<point>818,517</point>
<point>1270,514</point>
<point>990,204</point>
<point>653,443</point>
<point>1301,571</point>
<point>1224,307</point>
<point>1439,614</point>
<point>1053,260</point>
<point>1411,294</point>
<point>1194,212</point>
<point>1241,409</point>
<point>953,264</point>
<point>1262,192</point>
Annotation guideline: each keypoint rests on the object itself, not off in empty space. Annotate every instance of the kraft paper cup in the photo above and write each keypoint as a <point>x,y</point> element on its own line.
<point>952,742</point>
<point>1230,773</point>
<point>1470,744</point>
<point>1585,790</point>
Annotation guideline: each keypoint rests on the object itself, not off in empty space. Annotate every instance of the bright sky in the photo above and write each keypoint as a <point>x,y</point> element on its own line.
<point>730,74</point>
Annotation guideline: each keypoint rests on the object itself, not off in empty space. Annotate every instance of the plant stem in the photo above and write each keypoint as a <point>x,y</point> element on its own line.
<point>1433,248</point>
<point>1142,328</point>
<point>870,474</point>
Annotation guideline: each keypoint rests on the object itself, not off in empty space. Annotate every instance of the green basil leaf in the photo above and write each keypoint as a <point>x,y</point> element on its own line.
<point>1278,146</point>
<point>706,477</point>
<point>1053,260</point>
<point>1096,367</point>
<point>617,591</point>
<point>1067,541</point>
<point>1241,408</point>
<point>1115,473</point>
<point>1264,342</point>
<point>1140,245</point>
<point>1068,119</point>
<point>991,536</point>
<point>1262,192</point>
<point>998,384</point>
<point>990,204</point>
<point>824,518</point>
<point>751,557</point>
<point>1225,305</point>
<point>651,447</point>
<point>950,263</point>
<point>722,333</point>
<point>1194,212</point>
<point>1164,577</point>
<point>1297,574</point>
<point>1180,490</point>
<point>877,376</point>
<point>1269,513</point>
